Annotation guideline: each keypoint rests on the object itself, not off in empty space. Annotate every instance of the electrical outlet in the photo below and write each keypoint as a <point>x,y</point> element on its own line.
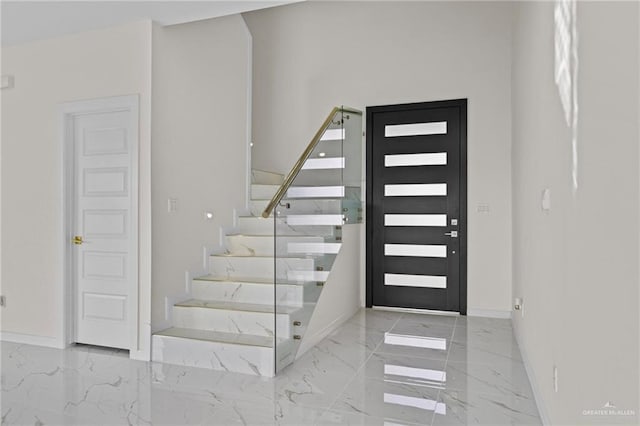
<point>3,301</point>
<point>555,378</point>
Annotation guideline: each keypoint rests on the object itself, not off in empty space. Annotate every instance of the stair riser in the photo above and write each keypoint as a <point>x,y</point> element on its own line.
<point>307,275</point>
<point>245,359</point>
<point>228,321</point>
<point>261,226</point>
<point>301,192</point>
<point>242,245</point>
<point>318,178</point>
<point>299,207</point>
<point>256,267</point>
<point>289,295</point>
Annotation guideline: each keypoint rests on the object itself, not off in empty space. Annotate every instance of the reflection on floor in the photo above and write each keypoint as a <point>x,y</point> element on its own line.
<point>380,368</point>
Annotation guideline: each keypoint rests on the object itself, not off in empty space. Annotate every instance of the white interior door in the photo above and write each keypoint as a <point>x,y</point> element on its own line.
<point>105,226</point>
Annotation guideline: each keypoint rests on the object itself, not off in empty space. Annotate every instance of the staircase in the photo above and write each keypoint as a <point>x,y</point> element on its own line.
<point>250,313</point>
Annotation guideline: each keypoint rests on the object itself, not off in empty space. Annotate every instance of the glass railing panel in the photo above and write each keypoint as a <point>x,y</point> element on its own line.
<point>321,177</point>
<point>353,179</point>
<point>325,195</point>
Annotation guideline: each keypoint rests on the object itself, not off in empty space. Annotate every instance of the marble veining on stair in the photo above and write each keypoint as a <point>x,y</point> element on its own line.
<point>230,323</point>
<point>265,279</point>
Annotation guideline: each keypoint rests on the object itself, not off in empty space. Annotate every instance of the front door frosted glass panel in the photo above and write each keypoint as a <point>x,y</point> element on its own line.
<point>415,220</point>
<point>408,280</point>
<point>415,250</point>
<point>429,159</point>
<point>415,129</point>
<point>415,190</point>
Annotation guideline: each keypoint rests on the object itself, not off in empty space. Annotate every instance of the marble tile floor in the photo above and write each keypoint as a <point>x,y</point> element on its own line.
<point>380,368</point>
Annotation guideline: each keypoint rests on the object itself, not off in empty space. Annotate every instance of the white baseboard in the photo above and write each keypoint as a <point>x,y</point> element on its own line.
<point>535,387</point>
<point>488,313</point>
<point>309,342</point>
<point>29,339</point>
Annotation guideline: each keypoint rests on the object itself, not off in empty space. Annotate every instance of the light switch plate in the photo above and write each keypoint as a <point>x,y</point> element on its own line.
<point>483,208</point>
<point>6,82</point>
<point>172,205</point>
<point>546,200</point>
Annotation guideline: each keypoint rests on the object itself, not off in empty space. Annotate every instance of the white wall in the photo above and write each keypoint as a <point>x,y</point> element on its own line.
<point>311,56</point>
<point>577,265</point>
<point>96,64</point>
<point>201,86</point>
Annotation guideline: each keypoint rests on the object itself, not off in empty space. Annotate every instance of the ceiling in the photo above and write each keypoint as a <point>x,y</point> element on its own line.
<point>24,21</point>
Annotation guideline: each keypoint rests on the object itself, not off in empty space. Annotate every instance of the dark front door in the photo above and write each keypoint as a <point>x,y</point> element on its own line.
<point>416,205</point>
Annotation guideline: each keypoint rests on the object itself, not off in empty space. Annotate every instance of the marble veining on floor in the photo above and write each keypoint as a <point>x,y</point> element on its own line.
<point>380,368</point>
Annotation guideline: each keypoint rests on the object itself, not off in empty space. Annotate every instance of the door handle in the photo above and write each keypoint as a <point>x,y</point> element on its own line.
<point>77,240</point>
<point>452,234</point>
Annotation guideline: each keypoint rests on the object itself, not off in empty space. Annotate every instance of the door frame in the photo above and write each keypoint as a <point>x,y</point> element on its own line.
<point>67,112</point>
<point>459,103</point>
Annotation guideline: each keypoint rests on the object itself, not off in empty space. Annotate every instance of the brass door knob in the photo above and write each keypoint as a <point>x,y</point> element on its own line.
<point>77,240</point>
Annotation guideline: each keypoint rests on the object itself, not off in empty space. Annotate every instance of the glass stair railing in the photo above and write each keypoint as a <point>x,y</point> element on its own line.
<point>321,194</point>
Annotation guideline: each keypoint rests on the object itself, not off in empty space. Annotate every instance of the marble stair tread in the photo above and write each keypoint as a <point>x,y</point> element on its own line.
<point>310,205</point>
<point>257,225</point>
<point>236,306</point>
<point>249,280</point>
<point>218,336</point>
